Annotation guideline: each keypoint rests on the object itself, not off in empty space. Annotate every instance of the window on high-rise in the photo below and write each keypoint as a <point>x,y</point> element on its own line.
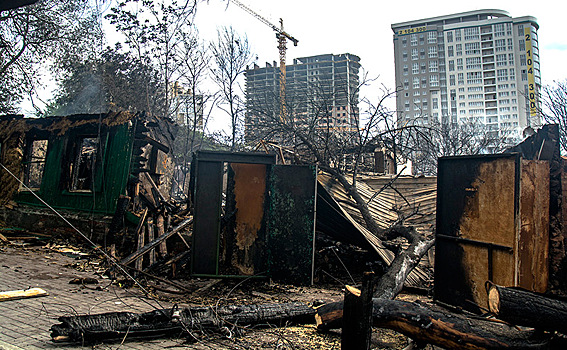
<point>432,37</point>
<point>414,55</point>
<point>450,52</point>
<point>406,69</point>
<point>522,60</point>
<point>500,45</point>
<point>451,66</point>
<point>472,49</point>
<point>434,80</point>
<point>501,60</point>
<point>459,64</point>
<point>452,81</point>
<point>433,66</point>
<point>499,30</point>
<point>416,82</point>
<point>457,35</point>
<point>474,77</point>
<point>512,74</point>
<point>472,33</point>
<point>413,40</point>
<point>520,30</point>
<point>405,56</point>
<point>509,29</point>
<point>461,78</point>
<point>502,74</point>
<point>421,39</point>
<point>459,49</point>
<point>422,54</point>
<point>449,37</point>
<point>522,45</point>
<point>474,63</point>
<point>524,75</point>
<point>415,68</point>
<point>511,59</point>
<point>432,51</point>
<point>510,44</point>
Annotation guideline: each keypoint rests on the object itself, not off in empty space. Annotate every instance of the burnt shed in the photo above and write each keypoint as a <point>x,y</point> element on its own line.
<point>81,165</point>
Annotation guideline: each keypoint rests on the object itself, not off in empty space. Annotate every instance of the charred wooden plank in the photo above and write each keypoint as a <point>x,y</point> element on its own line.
<point>140,235</point>
<point>357,318</point>
<point>163,322</point>
<point>156,242</point>
<point>22,294</point>
<point>160,227</point>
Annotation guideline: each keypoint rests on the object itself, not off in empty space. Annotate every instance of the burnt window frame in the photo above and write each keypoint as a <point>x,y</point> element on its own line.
<point>77,163</point>
<point>72,149</point>
<point>27,159</point>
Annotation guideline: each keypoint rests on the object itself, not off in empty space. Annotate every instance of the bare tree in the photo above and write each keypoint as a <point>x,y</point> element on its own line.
<point>231,54</point>
<point>152,30</point>
<point>424,143</point>
<point>33,37</point>
<point>554,99</point>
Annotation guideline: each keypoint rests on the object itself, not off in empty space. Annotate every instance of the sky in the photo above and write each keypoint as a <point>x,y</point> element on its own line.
<point>363,28</point>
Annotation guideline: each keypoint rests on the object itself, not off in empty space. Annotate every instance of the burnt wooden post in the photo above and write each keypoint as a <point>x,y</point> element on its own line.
<point>357,315</point>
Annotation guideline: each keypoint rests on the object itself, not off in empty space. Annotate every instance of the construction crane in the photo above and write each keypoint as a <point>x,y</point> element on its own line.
<point>282,37</point>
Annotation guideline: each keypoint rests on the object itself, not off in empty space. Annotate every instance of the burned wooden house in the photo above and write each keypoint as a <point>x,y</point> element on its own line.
<point>85,166</point>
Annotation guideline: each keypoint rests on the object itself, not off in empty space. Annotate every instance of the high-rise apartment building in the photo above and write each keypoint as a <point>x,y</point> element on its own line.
<point>479,65</point>
<point>186,108</point>
<point>320,89</point>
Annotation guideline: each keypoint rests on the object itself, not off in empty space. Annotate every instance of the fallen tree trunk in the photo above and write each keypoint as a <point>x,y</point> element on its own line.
<point>525,308</point>
<point>439,328</point>
<point>450,330</point>
<point>118,325</point>
<point>392,282</point>
<point>388,285</point>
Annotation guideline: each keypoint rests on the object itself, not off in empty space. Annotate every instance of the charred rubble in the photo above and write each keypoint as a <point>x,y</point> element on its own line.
<point>497,220</point>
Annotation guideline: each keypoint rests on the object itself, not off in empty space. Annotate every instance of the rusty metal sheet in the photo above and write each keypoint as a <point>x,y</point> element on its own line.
<point>476,227</point>
<point>245,238</point>
<point>533,247</point>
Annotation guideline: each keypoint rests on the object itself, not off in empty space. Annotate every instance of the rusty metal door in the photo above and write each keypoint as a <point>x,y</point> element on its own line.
<point>487,227</point>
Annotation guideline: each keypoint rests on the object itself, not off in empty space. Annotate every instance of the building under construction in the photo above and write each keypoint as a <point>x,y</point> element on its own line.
<point>321,91</point>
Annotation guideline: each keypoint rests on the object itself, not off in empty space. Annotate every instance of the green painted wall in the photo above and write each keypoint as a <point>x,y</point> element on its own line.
<point>110,179</point>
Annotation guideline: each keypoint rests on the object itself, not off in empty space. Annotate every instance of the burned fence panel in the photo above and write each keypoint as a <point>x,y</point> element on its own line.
<point>207,225</point>
<point>291,233</point>
<point>253,218</point>
<point>488,228</point>
<point>229,239</point>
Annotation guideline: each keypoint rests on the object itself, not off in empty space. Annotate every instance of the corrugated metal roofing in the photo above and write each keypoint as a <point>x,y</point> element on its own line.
<point>411,198</point>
